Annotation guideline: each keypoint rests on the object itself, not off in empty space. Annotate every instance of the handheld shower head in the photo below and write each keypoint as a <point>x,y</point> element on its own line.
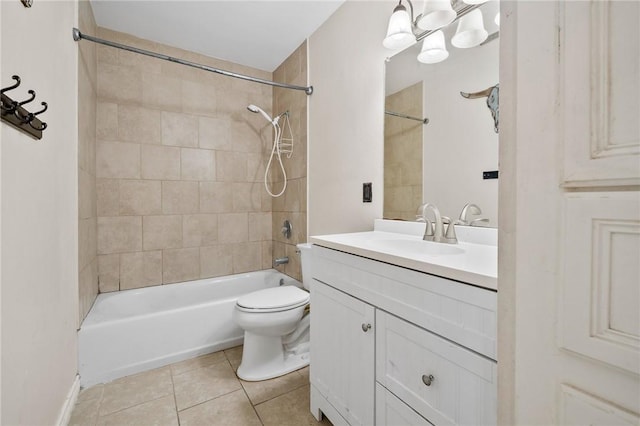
<point>257,109</point>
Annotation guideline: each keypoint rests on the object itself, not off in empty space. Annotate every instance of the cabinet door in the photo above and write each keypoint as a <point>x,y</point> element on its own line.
<point>342,352</point>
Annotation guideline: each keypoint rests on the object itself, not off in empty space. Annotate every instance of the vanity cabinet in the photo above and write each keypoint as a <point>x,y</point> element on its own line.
<point>395,346</point>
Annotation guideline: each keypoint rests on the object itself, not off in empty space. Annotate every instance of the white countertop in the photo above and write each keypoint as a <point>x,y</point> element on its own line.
<point>468,262</point>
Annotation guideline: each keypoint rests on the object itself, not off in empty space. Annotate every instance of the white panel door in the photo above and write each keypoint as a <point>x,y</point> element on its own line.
<point>599,308</point>
<point>342,352</point>
<point>569,243</point>
<point>602,92</point>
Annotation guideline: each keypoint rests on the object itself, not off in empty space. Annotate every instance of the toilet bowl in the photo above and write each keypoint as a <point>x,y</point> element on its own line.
<point>276,328</point>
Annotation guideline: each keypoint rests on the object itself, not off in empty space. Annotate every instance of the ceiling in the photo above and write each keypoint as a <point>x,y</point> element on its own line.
<point>257,33</point>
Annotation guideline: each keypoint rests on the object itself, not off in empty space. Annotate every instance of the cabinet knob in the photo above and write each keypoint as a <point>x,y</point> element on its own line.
<point>366,327</point>
<point>427,379</point>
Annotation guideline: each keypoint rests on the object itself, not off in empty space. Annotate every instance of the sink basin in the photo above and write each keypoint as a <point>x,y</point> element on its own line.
<point>416,247</point>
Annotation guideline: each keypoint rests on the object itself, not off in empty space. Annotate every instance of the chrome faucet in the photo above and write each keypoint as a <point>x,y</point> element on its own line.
<point>470,209</point>
<point>434,232</point>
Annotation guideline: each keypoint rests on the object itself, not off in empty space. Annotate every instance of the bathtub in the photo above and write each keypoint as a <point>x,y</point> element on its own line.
<point>136,330</point>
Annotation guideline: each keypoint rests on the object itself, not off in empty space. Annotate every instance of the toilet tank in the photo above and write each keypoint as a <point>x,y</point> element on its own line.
<point>305,261</point>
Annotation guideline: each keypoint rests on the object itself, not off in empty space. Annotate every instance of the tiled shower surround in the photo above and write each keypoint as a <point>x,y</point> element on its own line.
<point>87,238</point>
<point>292,205</point>
<point>179,168</point>
<point>402,167</point>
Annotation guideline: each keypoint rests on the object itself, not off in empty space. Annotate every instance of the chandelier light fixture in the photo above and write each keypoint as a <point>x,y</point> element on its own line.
<point>404,29</point>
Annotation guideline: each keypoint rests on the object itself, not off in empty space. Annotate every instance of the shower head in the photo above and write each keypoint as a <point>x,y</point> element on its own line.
<point>257,109</point>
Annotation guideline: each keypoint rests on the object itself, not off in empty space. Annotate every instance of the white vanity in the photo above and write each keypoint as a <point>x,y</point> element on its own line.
<point>403,331</point>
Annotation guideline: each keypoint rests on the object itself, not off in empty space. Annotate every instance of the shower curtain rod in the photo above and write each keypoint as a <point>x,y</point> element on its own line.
<point>408,117</point>
<point>77,35</point>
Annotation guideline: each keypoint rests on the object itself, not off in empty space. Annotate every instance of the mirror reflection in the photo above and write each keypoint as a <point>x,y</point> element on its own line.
<point>445,160</point>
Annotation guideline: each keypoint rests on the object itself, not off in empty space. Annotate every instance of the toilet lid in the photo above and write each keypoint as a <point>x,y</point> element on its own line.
<point>275,297</point>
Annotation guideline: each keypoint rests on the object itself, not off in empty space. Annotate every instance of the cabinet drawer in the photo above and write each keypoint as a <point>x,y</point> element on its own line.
<point>460,312</point>
<point>393,412</point>
<point>463,389</point>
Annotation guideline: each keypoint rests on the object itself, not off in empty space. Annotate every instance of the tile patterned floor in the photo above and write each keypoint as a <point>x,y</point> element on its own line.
<point>197,392</point>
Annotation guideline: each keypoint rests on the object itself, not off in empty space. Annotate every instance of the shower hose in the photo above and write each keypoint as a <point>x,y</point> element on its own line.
<point>275,151</point>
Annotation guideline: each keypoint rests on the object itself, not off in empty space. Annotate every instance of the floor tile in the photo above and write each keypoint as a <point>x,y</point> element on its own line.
<point>289,409</point>
<point>203,384</point>
<point>85,413</point>
<point>228,410</point>
<point>206,391</point>
<point>267,389</point>
<point>199,362</point>
<point>234,355</point>
<point>161,412</point>
<point>94,392</point>
<point>133,390</point>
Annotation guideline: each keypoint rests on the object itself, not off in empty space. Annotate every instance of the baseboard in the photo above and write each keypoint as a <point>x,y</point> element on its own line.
<point>69,403</point>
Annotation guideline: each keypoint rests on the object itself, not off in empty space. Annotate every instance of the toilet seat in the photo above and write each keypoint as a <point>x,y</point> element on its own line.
<point>273,299</point>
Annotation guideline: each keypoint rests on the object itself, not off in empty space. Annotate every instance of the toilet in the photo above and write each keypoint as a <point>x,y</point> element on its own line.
<point>276,327</point>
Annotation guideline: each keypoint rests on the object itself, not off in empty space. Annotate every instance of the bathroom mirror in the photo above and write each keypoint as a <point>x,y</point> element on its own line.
<point>443,161</point>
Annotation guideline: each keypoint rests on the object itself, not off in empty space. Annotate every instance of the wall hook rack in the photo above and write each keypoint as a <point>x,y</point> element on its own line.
<point>15,113</point>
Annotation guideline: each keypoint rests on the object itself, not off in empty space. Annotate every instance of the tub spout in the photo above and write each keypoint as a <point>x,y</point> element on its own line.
<point>280,261</point>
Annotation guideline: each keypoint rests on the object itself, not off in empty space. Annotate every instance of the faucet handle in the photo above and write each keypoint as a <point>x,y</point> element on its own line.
<point>468,209</point>
<point>428,231</point>
<point>450,235</point>
<point>477,222</point>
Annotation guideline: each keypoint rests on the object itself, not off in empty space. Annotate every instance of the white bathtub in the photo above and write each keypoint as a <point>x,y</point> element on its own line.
<point>137,330</point>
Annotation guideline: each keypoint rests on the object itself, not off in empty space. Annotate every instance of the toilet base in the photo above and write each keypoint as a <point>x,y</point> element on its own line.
<point>263,357</point>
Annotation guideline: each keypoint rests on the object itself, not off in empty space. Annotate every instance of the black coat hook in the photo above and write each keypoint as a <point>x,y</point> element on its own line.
<point>29,118</point>
<point>33,96</point>
<point>24,118</point>
<point>44,126</point>
<point>13,105</point>
<point>44,104</point>
<point>16,113</point>
<point>17,79</point>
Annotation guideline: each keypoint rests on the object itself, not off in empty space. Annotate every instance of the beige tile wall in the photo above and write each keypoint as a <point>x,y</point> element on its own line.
<point>179,169</point>
<point>402,167</point>
<point>87,215</point>
<point>292,205</point>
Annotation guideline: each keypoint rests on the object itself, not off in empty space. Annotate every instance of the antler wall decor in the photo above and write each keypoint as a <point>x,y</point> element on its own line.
<point>493,102</point>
